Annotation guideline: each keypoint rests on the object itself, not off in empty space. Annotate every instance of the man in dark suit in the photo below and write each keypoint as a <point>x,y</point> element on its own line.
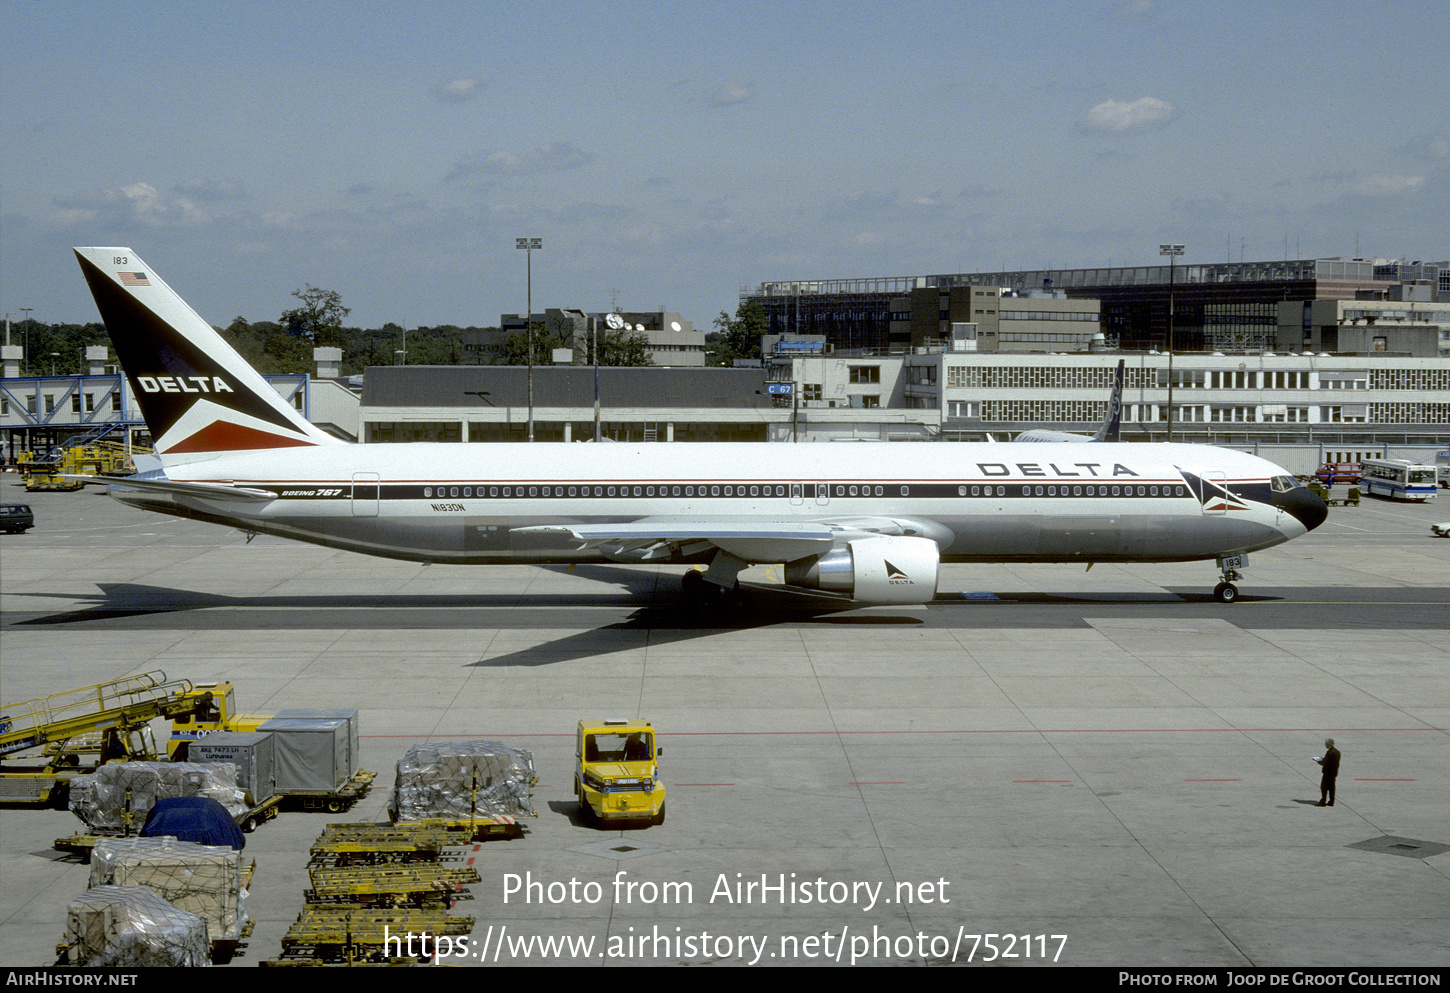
<point>1330,764</point>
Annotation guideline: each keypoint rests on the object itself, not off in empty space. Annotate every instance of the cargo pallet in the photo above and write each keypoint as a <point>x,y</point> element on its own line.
<point>347,935</point>
<point>333,801</point>
<point>223,950</point>
<point>417,884</point>
<point>82,844</point>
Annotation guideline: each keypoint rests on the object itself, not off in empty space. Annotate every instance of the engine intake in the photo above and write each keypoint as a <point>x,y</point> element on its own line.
<point>879,569</point>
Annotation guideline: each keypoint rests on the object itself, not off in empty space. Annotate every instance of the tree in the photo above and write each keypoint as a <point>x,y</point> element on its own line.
<point>622,347</point>
<point>319,319</point>
<point>515,349</point>
<point>737,338</point>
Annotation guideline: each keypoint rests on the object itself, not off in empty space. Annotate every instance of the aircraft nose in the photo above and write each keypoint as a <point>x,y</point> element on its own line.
<point>1307,508</point>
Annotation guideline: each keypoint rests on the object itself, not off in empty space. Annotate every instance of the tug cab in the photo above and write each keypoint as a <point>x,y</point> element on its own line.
<point>617,774</point>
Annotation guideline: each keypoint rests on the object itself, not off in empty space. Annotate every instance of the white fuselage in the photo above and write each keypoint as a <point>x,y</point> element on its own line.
<point>463,503</point>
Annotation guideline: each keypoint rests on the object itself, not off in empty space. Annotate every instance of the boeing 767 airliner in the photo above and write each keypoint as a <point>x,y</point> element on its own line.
<point>869,523</point>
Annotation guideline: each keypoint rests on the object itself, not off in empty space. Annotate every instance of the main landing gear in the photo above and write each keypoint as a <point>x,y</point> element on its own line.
<point>703,594</point>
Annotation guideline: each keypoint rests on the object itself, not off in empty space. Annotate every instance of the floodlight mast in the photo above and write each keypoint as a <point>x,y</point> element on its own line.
<point>1172,251</point>
<point>528,245</point>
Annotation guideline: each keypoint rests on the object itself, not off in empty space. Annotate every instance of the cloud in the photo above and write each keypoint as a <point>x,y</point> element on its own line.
<point>214,190</point>
<point>1136,8</point>
<point>556,157</point>
<point>1117,117</point>
<point>459,89</point>
<point>1432,147</point>
<point>1381,184</point>
<point>731,93</point>
<point>136,204</point>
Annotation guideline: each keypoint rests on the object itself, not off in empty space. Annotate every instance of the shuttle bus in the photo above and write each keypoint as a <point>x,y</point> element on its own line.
<point>1398,479</point>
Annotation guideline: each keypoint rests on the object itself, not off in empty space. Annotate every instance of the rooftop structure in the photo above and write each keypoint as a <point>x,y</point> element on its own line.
<point>1217,306</point>
<point>673,341</point>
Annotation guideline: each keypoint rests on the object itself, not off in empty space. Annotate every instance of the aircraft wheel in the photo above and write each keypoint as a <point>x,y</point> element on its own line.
<point>1226,593</point>
<point>692,583</point>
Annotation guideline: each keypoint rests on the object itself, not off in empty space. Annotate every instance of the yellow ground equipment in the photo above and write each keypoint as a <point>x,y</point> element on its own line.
<point>345,935</point>
<point>617,776</point>
<point>426,884</point>
<point>380,894</point>
<point>79,730</point>
<point>101,458</point>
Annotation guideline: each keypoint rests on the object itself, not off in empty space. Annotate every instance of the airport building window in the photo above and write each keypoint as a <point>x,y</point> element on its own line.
<point>1412,413</point>
<point>1408,379</point>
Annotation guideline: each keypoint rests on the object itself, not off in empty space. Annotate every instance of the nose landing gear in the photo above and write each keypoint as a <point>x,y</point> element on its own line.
<point>1226,591</point>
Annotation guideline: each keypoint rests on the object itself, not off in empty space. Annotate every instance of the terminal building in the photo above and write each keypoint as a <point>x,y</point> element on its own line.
<point>1216,307</point>
<point>939,393</point>
<point>1347,354</point>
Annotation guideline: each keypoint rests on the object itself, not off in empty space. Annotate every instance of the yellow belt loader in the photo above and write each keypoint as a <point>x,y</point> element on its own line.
<point>45,742</point>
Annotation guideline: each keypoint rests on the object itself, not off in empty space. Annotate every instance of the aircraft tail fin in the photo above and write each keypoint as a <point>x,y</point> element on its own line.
<point>197,395</point>
<point>1111,430</point>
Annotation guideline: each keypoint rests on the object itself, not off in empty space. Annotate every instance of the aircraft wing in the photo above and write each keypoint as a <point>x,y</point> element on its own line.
<point>750,540</point>
<point>208,491</point>
<point>753,541</point>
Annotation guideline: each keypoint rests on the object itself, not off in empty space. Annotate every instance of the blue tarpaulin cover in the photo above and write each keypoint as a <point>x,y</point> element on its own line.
<point>194,818</point>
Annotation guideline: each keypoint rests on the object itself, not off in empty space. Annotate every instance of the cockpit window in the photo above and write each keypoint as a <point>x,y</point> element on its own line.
<point>1283,484</point>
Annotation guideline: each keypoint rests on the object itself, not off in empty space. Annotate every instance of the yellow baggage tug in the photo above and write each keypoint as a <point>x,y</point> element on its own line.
<point>617,776</point>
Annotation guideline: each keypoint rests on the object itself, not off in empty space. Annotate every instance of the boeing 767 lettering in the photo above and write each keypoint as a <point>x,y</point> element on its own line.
<point>869,523</point>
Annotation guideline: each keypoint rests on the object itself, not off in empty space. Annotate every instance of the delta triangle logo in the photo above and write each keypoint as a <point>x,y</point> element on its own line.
<point>1215,497</point>
<point>895,575</point>
<point>221,436</point>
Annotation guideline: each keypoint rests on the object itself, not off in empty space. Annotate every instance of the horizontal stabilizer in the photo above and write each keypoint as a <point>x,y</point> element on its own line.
<point>209,491</point>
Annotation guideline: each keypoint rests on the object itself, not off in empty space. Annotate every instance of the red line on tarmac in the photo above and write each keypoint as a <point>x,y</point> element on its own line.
<point>1213,780</point>
<point>1042,780</point>
<point>1386,780</point>
<point>703,734</point>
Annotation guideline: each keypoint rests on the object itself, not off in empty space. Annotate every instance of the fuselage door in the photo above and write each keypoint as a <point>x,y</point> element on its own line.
<point>823,494</point>
<point>366,491</point>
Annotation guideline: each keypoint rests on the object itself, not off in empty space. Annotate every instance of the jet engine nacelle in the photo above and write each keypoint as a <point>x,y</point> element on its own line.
<point>879,569</point>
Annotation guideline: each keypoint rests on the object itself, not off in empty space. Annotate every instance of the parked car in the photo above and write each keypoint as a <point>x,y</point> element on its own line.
<point>1339,472</point>
<point>15,518</point>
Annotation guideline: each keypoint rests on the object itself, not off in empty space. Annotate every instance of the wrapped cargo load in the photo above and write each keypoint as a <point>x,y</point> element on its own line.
<point>205,880</point>
<point>132,927</point>
<point>312,754</point>
<point>101,799</point>
<point>252,753</point>
<point>438,779</point>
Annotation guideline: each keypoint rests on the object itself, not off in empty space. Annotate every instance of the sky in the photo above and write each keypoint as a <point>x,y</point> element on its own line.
<point>671,154</point>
